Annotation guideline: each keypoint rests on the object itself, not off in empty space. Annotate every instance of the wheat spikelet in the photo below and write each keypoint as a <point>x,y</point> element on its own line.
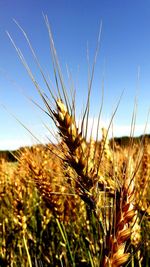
<point>136,232</point>
<point>105,145</point>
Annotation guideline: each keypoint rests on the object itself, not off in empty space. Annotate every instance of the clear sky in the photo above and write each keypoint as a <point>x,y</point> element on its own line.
<point>123,61</point>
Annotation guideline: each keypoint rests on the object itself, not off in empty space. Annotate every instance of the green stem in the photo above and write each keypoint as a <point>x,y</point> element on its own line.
<point>26,247</point>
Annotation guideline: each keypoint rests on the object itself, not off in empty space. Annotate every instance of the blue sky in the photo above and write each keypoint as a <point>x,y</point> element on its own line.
<point>123,61</point>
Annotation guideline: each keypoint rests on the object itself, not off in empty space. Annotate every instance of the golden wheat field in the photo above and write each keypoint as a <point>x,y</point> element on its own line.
<point>53,214</point>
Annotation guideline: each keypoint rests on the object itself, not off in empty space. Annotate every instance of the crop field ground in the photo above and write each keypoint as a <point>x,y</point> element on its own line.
<point>78,202</point>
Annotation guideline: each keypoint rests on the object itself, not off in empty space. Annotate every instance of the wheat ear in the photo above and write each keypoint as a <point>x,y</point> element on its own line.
<point>125,212</point>
<point>78,152</point>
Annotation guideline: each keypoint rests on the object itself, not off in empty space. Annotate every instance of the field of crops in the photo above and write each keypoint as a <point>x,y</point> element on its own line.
<point>53,215</point>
